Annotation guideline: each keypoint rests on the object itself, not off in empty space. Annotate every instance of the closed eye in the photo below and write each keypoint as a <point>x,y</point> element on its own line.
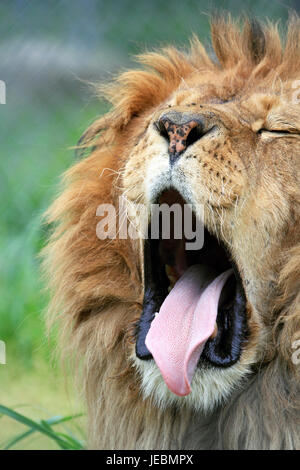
<point>279,132</point>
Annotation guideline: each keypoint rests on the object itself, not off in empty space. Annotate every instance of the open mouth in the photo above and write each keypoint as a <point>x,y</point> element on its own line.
<point>194,309</point>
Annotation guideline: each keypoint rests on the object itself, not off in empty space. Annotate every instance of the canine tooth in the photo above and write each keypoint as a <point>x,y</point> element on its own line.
<point>168,269</point>
<point>170,272</point>
<point>172,279</point>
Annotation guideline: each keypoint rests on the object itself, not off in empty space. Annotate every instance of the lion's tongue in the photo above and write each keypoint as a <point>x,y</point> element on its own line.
<point>184,323</point>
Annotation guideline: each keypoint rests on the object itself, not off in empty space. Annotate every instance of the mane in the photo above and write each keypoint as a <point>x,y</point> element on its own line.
<point>247,53</point>
<point>96,285</point>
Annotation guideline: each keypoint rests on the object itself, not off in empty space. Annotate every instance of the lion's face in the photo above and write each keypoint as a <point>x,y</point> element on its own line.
<point>235,157</point>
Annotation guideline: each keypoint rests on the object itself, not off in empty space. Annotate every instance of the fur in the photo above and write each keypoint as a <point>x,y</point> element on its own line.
<point>249,185</point>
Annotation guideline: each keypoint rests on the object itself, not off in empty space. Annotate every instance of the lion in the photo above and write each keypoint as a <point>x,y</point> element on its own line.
<point>188,349</point>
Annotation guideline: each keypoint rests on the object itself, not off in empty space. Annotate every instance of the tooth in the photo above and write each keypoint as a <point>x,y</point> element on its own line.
<point>169,270</point>
<point>172,279</point>
<point>171,273</point>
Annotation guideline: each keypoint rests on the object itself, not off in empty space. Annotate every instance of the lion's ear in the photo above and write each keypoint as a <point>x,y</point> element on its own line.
<point>89,139</point>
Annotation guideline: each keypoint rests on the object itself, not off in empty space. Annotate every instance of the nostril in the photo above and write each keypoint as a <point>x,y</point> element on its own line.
<point>180,131</point>
<point>160,126</point>
<point>195,134</point>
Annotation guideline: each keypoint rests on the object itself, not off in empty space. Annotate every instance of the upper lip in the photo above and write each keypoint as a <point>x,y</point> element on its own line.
<point>225,348</point>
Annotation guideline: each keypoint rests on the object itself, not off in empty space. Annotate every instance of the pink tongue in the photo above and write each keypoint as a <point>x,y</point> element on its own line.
<point>184,323</point>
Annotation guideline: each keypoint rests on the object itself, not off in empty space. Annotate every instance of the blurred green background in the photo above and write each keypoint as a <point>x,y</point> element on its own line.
<point>49,52</point>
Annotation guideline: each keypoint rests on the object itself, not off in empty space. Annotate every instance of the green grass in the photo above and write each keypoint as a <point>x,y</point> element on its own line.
<point>65,441</point>
<point>37,149</point>
<point>39,393</point>
<point>35,141</point>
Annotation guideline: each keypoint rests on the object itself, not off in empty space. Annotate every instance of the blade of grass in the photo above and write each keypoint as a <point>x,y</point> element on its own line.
<point>74,443</point>
<point>50,421</point>
<point>63,444</point>
<point>17,439</point>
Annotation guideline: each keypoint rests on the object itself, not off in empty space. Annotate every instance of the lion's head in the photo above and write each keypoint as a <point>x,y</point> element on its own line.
<point>163,327</point>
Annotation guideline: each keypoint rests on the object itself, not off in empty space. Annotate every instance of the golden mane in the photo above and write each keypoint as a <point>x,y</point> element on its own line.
<point>96,285</point>
<point>246,56</point>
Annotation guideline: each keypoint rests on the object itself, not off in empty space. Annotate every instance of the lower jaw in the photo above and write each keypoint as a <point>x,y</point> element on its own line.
<point>211,387</point>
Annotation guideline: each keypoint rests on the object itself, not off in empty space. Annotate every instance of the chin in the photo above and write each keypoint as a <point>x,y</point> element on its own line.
<point>211,386</point>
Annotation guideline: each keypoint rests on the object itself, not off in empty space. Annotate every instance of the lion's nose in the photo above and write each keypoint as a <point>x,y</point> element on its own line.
<point>181,131</point>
